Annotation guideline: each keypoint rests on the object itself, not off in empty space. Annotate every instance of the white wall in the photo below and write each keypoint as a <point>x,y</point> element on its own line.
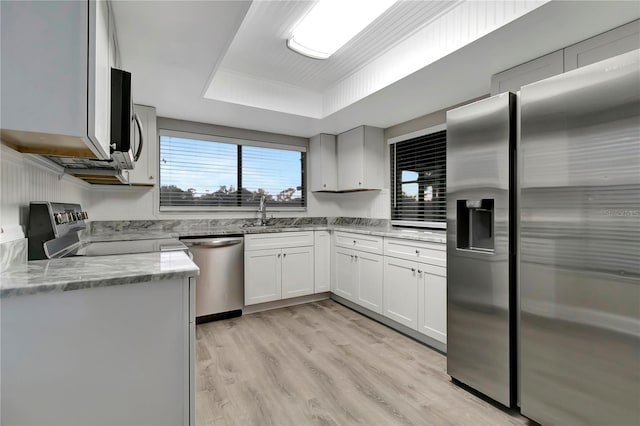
<point>24,180</point>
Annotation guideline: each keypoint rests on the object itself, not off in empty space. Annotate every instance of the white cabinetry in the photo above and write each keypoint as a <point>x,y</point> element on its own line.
<point>322,163</point>
<point>145,171</point>
<point>415,286</point>
<point>278,266</point>
<point>100,356</point>
<point>606,45</point>
<point>322,263</point>
<point>358,273</point>
<point>56,81</point>
<point>360,159</point>
<point>538,69</point>
<point>603,46</point>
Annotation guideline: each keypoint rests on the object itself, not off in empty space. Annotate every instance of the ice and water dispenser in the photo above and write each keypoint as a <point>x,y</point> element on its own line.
<point>476,225</point>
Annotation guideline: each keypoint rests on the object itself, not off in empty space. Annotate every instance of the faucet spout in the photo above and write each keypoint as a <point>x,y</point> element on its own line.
<point>263,210</point>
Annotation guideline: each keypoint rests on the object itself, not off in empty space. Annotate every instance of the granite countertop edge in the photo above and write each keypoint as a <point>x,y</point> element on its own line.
<point>71,274</point>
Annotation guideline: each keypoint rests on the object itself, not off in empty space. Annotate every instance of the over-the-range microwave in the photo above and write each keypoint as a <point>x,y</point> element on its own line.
<point>124,122</point>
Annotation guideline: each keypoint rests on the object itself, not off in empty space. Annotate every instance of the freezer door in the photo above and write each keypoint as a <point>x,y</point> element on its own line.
<point>480,246</point>
<point>580,245</point>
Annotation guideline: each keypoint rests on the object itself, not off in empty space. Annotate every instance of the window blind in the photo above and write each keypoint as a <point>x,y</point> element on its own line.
<point>210,174</point>
<point>418,180</point>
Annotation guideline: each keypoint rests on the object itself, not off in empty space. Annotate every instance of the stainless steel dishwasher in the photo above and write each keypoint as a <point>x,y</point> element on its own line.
<point>220,285</point>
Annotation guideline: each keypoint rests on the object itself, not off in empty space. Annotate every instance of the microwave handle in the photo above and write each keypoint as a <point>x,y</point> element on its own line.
<point>139,150</point>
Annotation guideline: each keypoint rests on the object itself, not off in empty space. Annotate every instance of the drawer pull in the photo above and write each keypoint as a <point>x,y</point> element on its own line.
<point>284,255</point>
<point>278,254</point>
<point>356,258</point>
<point>354,242</point>
<point>418,252</point>
<point>413,269</point>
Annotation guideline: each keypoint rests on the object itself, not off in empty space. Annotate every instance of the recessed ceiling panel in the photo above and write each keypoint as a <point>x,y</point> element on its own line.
<point>259,47</point>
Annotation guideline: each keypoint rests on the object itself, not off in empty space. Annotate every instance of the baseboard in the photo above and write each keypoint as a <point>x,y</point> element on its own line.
<point>284,303</point>
<point>438,346</point>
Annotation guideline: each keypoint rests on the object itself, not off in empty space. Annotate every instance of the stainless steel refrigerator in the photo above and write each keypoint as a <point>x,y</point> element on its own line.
<point>481,246</point>
<point>580,245</point>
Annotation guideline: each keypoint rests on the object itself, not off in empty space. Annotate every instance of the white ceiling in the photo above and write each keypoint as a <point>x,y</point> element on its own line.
<point>174,49</point>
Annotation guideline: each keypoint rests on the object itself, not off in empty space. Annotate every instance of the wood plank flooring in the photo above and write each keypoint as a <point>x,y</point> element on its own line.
<point>324,364</point>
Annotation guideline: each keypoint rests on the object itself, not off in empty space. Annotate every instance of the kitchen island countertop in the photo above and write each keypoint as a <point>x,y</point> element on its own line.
<point>74,273</point>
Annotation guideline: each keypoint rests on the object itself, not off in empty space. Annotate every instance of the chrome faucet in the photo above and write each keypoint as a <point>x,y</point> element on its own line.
<point>263,210</point>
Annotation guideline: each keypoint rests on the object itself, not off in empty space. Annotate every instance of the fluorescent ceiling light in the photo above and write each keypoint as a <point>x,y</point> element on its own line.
<point>330,24</point>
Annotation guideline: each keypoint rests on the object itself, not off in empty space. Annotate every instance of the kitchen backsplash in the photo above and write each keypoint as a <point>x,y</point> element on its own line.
<point>211,225</point>
<point>13,253</point>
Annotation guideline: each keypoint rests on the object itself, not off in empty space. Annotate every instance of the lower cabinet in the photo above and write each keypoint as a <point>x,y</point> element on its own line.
<point>415,295</point>
<point>277,273</point>
<point>358,277</point>
<point>322,264</point>
<point>401,291</point>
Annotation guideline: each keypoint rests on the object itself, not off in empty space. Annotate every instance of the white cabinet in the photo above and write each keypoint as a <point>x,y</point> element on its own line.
<point>100,356</point>
<point>345,274</point>
<point>322,163</point>
<point>56,77</point>
<point>278,273</point>
<point>603,46</point>
<point>146,169</point>
<point>322,262</point>
<point>358,273</point>
<point>538,69</point>
<point>360,159</point>
<point>262,276</point>
<point>432,301</point>
<point>297,272</point>
<point>401,291</point>
<point>415,286</point>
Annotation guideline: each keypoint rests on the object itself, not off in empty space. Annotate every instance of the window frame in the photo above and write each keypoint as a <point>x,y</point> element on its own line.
<point>393,183</point>
<point>235,141</point>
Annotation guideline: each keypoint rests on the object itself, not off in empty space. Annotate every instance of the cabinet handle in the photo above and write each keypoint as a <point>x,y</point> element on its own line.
<point>354,242</point>
<point>284,255</point>
<point>413,269</point>
<point>418,252</point>
<point>150,177</point>
<point>278,254</point>
<point>351,257</point>
<point>356,258</point>
<point>324,186</point>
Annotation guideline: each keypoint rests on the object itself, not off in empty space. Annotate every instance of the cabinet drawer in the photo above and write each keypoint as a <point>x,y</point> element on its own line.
<point>278,240</point>
<point>369,243</point>
<point>430,253</point>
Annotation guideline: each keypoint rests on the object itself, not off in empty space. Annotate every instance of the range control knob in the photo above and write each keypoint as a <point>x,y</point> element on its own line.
<point>58,218</point>
<point>85,215</point>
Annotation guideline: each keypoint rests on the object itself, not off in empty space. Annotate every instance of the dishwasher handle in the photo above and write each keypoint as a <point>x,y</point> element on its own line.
<point>212,244</point>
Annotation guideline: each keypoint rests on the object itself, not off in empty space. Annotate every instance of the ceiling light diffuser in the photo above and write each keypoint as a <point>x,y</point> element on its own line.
<point>330,24</point>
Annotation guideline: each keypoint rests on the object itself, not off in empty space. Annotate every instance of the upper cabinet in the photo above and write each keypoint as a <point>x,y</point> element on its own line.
<point>603,46</point>
<point>360,159</point>
<point>56,77</point>
<point>607,45</point>
<point>146,169</point>
<point>323,170</point>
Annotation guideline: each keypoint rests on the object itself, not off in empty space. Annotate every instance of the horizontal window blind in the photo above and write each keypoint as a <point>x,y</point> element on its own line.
<point>208,174</point>
<point>418,179</point>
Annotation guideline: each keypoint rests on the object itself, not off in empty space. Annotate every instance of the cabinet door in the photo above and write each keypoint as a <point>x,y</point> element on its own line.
<point>401,291</point>
<point>322,263</point>
<point>262,276</point>
<point>322,163</point>
<point>538,69</point>
<point>345,274</point>
<point>297,272</point>
<point>350,149</point>
<point>370,275</point>
<point>99,83</point>
<point>432,301</point>
<point>604,46</point>
<point>145,171</point>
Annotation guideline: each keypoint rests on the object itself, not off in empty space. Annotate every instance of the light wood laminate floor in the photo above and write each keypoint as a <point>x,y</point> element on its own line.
<point>324,364</point>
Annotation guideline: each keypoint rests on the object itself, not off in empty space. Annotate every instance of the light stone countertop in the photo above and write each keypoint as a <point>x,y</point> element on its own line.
<point>74,273</point>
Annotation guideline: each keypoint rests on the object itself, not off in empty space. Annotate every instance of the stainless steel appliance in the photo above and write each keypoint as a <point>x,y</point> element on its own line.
<point>481,246</point>
<point>124,121</point>
<point>53,232</point>
<point>220,289</point>
<point>580,245</point>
